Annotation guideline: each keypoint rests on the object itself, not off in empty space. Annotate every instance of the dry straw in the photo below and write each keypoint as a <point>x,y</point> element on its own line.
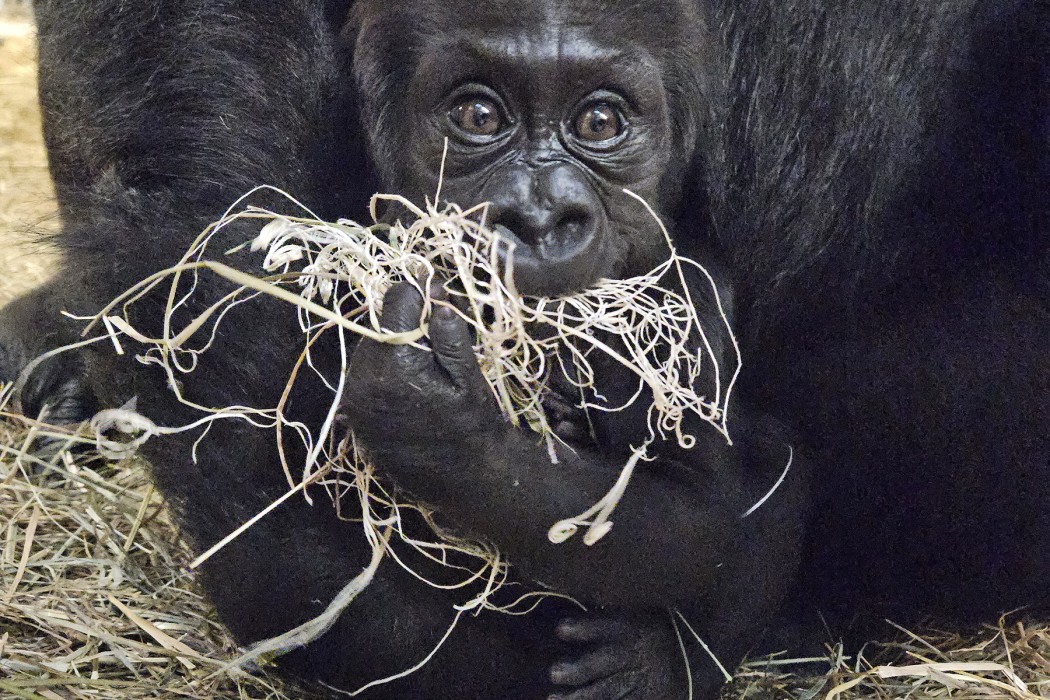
<point>1009,660</point>
<point>336,275</point>
<point>95,600</point>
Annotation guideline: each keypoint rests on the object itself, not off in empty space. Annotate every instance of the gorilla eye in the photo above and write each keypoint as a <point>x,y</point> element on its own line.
<point>477,116</point>
<point>599,121</point>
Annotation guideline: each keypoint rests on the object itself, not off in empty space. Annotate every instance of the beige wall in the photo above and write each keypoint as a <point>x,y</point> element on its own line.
<point>26,199</point>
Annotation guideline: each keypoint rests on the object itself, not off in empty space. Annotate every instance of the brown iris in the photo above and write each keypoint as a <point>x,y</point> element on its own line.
<point>598,121</point>
<point>477,116</point>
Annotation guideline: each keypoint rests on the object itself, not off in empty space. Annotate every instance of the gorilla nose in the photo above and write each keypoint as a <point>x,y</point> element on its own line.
<point>552,233</point>
<point>554,218</point>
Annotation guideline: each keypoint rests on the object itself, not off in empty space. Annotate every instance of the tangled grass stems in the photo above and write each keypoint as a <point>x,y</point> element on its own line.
<point>336,275</point>
<point>95,602</point>
<point>344,269</point>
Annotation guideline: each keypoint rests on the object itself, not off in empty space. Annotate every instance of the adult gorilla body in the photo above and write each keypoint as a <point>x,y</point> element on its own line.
<point>872,185</point>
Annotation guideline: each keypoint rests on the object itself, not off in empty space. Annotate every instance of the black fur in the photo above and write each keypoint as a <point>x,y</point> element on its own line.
<point>871,175</point>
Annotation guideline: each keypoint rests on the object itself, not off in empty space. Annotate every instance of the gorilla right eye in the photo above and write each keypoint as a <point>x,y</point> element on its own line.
<point>599,121</point>
<point>477,116</point>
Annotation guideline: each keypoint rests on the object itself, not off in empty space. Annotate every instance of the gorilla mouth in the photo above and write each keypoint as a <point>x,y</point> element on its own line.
<point>549,271</point>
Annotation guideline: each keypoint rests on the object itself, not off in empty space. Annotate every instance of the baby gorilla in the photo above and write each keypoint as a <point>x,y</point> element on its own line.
<point>549,121</point>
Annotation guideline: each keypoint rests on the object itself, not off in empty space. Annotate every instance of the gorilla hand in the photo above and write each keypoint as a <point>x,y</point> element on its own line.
<point>56,388</point>
<point>417,410</point>
<point>621,656</point>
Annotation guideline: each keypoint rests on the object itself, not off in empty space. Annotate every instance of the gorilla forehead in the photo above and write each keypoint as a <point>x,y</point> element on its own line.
<point>626,21</point>
<point>545,66</point>
<point>552,42</point>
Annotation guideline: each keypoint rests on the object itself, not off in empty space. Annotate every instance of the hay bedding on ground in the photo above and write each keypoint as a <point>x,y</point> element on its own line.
<point>96,602</point>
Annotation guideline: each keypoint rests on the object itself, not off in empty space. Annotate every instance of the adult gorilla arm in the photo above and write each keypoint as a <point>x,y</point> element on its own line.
<point>881,188</point>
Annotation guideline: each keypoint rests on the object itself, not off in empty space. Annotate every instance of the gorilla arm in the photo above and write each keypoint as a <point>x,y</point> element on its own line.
<point>428,421</point>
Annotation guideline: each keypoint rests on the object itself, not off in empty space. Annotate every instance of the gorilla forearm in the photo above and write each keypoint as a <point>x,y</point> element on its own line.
<point>678,523</point>
<point>429,423</point>
<point>674,527</point>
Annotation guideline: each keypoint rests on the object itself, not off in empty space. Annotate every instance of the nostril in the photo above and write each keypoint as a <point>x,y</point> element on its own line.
<point>530,230</point>
<point>573,227</point>
<point>573,224</point>
<point>551,232</point>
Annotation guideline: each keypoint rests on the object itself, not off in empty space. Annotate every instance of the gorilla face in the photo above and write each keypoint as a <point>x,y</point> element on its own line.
<point>547,117</point>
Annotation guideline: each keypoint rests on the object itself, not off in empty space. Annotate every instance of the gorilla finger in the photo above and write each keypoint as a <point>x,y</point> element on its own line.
<point>587,630</point>
<point>589,668</point>
<point>436,292</point>
<point>67,403</point>
<point>453,346</point>
<point>402,308</point>
<point>402,312</point>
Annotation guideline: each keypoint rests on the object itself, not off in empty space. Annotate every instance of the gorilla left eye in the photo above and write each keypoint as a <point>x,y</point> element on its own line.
<point>477,116</point>
<point>599,121</point>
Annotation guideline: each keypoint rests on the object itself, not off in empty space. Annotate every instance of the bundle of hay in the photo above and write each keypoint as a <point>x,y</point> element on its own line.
<point>336,275</point>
